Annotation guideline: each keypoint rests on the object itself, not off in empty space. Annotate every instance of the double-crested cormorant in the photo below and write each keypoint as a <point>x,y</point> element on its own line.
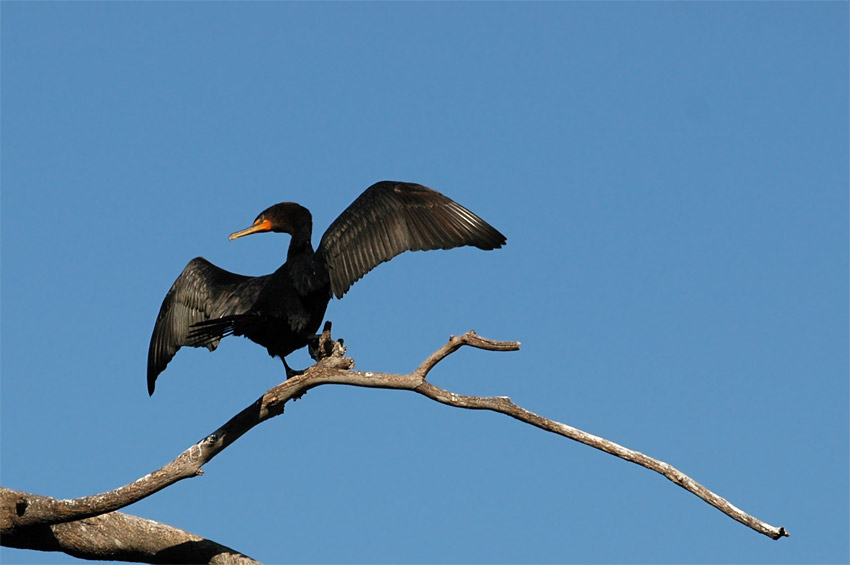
<point>282,311</point>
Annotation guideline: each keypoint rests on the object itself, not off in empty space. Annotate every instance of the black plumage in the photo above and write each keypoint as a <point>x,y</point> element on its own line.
<point>282,311</point>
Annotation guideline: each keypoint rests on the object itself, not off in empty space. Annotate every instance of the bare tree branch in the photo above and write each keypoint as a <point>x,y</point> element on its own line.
<point>333,368</point>
<point>117,537</point>
<point>504,405</point>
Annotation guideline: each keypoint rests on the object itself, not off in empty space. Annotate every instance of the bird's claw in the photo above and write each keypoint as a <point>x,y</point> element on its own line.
<point>290,372</point>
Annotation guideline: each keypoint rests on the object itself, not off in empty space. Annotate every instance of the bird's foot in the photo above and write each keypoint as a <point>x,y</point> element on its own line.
<point>324,349</point>
<point>290,372</point>
<point>321,345</point>
<point>327,353</point>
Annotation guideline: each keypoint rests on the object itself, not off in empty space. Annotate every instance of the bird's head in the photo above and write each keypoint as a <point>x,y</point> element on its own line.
<point>286,217</point>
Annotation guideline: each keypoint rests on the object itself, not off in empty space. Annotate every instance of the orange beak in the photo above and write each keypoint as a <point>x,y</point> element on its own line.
<point>258,227</point>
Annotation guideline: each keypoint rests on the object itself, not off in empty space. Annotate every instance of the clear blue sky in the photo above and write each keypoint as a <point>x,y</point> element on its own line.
<point>673,182</point>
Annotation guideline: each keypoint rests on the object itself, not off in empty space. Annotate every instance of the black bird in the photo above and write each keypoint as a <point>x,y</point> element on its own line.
<point>282,311</point>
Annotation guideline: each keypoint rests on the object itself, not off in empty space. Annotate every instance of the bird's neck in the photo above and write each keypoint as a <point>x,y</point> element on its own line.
<point>300,242</point>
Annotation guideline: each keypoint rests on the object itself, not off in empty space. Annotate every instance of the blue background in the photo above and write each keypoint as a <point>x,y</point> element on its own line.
<point>673,182</point>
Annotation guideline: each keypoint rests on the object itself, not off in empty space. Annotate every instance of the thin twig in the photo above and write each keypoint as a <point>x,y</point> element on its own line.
<point>503,404</point>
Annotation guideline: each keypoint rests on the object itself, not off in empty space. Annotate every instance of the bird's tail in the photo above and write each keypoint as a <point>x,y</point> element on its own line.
<point>204,333</point>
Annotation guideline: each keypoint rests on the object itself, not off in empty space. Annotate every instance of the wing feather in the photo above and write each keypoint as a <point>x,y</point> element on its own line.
<point>202,291</point>
<point>390,218</point>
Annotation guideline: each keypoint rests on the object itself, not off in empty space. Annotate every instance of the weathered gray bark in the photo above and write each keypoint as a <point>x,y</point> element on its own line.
<point>116,536</point>
<point>36,522</point>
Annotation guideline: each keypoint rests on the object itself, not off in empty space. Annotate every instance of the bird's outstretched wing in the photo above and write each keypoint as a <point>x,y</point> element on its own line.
<point>390,218</point>
<point>202,291</point>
